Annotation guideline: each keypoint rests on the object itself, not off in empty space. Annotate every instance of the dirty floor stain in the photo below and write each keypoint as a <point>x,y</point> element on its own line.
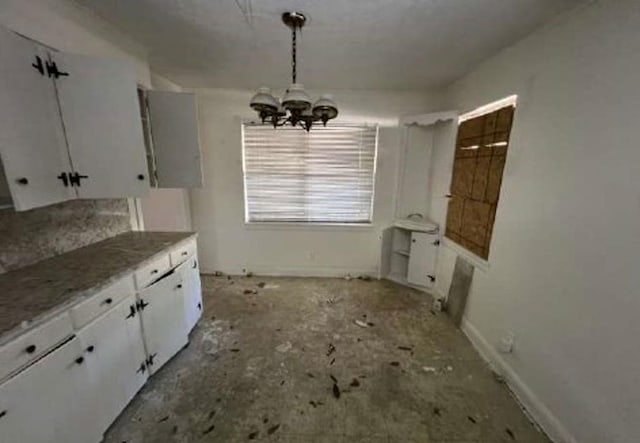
<point>291,364</point>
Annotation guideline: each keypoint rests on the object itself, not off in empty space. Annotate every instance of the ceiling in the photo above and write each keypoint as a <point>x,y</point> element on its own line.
<point>347,44</point>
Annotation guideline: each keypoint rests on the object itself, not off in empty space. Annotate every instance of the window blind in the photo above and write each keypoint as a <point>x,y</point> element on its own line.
<point>322,176</point>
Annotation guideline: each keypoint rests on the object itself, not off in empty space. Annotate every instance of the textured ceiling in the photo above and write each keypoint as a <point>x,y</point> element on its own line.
<point>354,44</point>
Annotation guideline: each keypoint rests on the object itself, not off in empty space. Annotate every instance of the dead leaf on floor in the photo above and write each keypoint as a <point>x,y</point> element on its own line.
<point>510,433</point>
<point>262,284</point>
<point>436,411</point>
<point>273,429</point>
<point>333,378</point>
<point>331,349</point>
<point>209,429</point>
<point>471,419</point>
<point>395,363</point>
<point>165,418</point>
<point>355,383</point>
<point>250,291</point>
<point>405,348</point>
<point>336,391</point>
<point>253,435</point>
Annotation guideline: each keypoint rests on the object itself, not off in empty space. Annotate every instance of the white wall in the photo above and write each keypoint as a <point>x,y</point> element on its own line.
<point>415,166</point>
<point>562,268</point>
<point>228,245</point>
<point>66,26</point>
<point>166,209</point>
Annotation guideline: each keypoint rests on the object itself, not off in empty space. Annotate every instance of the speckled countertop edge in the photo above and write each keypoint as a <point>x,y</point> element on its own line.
<point>77,297</point>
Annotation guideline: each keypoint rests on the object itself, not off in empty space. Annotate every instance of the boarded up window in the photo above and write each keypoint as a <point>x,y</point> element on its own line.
<point>481,150</point>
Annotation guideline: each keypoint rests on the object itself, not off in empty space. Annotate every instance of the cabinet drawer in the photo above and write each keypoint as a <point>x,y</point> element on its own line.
<point>28,347</point>
<point>101,302</point>
<point>152,271</point>
<point>182,253</point>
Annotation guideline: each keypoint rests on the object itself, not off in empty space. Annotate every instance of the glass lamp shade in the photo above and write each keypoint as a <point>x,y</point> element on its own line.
<point>296,99</point>
<point>263,101</point>
<point>325,108</point>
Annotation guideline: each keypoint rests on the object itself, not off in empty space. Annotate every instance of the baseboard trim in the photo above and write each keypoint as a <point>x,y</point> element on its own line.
<point>532,404</point>
<point>338,272</point>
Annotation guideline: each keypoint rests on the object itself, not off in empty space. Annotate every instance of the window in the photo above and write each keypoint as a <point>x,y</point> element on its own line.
<point>481,150</point>
<point>323,176</point>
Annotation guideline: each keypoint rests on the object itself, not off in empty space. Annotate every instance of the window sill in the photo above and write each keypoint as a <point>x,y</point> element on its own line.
<point>477,262</point>
<point>284,226</point>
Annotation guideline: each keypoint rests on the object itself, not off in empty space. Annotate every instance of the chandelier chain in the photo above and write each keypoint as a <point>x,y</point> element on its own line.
<point>293,54</point>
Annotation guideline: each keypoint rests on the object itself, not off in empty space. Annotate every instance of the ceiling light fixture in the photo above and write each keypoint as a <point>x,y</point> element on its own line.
<point>296,106</point>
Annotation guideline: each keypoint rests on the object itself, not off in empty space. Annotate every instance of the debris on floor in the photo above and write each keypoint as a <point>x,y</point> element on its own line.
<point>430,369</point>
<point>395,363</point>
<point>336,391</point>
<point>253,435</point>
<point>261,284</point>
<point>284,347</point>
<point>331,349</point>
<point>273,429</point>
<point>250,291</point>
<point>209,429</point>
<point>354,383</point>
<point>364,278</point>
<point>405,348</point>
<point>360,323</point>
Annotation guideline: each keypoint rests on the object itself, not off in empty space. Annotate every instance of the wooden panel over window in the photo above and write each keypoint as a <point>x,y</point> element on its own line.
<point>481,150</point>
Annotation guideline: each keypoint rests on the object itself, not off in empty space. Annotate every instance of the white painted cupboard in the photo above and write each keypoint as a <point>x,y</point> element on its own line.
<point>71,127</point>
<point>72,390</point>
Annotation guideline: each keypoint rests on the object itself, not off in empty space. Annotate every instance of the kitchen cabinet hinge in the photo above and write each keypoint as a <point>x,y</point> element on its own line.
<point>436,243</point>
<point>141,304</point>
<point>53,71</point>
<point>74,179</point>
<point>142,368</point>
<point>150,359</point>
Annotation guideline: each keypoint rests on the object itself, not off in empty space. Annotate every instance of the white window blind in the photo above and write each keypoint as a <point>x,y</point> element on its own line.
<point>323,176</point>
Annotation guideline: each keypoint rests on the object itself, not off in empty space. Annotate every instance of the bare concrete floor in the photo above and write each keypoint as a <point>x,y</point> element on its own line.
<point>289,364</point>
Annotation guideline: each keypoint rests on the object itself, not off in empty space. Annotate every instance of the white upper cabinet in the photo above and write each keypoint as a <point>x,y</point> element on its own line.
<point>99,105</point>
<point>174,129</point>
<point>32,144</point>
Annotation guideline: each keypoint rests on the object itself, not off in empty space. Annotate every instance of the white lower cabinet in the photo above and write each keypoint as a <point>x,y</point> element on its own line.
<point>190,273</point>
<point>163,319</point>
<point>74,392</point>
<point>422,259</point>
<point>114,355</point>
<point>45,402</point>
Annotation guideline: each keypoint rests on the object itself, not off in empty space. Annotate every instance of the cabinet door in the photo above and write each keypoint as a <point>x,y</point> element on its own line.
<point>99,104</point>
<point>163,319</point>
<point>190,272</point>
<point>44,402</point>
<point>422,257</point>
<point>114,355</point>
<point>174,129</point>
<point>32,143</point>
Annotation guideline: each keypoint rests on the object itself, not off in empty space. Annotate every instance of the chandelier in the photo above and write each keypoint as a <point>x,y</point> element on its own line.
<point>296,107</point>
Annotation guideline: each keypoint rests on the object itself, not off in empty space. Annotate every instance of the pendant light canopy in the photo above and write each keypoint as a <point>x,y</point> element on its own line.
<point>296,107</point>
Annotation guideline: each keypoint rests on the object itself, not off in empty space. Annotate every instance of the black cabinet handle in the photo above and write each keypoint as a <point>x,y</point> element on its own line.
<point>140,176</point>
<point>132,311</point>
<point>108,301</point>
<point>155,271</point>
<point>141,305</point>
<point>64,178</point>
<point>195,264</point>
<point>185,252</point>
<point>79,360</point>
<point>150,359</point>
<point>38,65</point>
<point>91,348</point>
<point>179,286</point>
<point>3,413</point>
<point>200,306</point>
<point>30,349</point>
<point>142,368</point>
<point>22,181</point>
